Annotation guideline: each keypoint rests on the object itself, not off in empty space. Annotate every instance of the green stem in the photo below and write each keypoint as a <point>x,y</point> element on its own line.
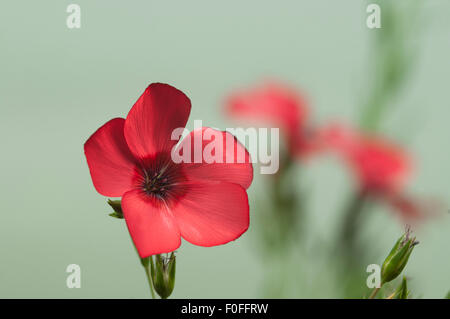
<point>374,293</point>
<point>352,221</point>
<point>118,210</point>
<point>149,277</point>
<point>146,262</point>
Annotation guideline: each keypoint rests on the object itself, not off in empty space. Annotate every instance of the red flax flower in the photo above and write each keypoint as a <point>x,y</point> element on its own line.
<point>381,168</point>
<point>205,203</point>
<point>280,106</point>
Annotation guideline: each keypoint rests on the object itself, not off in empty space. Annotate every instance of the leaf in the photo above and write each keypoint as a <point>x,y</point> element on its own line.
<point>116,215</point>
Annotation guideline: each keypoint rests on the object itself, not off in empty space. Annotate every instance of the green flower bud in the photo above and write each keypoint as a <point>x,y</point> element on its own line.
<point>163,275</point>
<point>402,290</point>
<point>116,205</point>
<point>398,257</point>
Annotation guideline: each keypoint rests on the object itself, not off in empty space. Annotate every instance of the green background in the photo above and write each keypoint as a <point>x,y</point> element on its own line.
<point>58,85</point>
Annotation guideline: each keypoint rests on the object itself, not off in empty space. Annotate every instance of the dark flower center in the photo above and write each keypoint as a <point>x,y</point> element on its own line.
<point>160,178</point>
<point>157,183</point>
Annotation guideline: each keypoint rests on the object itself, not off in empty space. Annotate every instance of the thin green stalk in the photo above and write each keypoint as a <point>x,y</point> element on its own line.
<point>352,221</point>
<point>146,262</point>
<point>392,60</point>
<point>149,277</point>
<point>374,293</point>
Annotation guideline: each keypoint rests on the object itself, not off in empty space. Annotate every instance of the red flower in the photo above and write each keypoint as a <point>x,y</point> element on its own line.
<point>205,203</point>
<point>282,107</point>
<point>379,165</point>
<point>381,169</point>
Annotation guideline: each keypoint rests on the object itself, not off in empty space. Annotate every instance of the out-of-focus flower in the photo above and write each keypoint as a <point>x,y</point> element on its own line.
<point>412,208</point>
<point>276,105</point>
<point>205,203</point>
<point>381,168</point>
<point>378,165</point>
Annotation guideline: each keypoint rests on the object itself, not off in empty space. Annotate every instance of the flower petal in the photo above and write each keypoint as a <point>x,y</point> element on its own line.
<point>413,209</point>
<point>219,157</point>
<point>110,161</point>
<point>276,104</point>
<point>157,112</point>
<point>212,213</point>
<point>151,225</point>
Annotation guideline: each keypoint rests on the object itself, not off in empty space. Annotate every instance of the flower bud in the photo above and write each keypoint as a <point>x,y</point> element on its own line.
<point>163,275</point>
<point>398,257</point>
<point>402,290</point>
<point>116,205</point>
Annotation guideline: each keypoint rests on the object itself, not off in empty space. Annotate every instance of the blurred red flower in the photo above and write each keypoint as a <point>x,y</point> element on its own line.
<point>279,106</point>
<point>379,165</point>
<point>381,168</point>
<point>205,203</point>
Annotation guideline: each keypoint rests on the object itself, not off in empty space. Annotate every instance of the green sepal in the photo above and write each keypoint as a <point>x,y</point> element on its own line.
<point>145,261</point>
<point>116,215</point>
<point>116,205</point>
<point>163,275</point>
<point>171,272</point>
<point>394,249</point>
